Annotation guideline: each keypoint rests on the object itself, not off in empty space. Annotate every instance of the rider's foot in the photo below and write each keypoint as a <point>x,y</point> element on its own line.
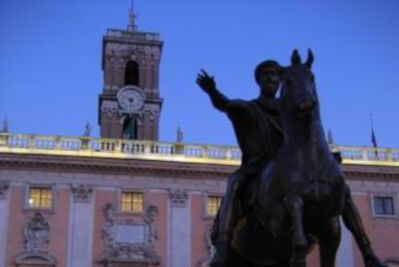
<point>300,241</point>
<point>220,257</point>
<point>373,261</point>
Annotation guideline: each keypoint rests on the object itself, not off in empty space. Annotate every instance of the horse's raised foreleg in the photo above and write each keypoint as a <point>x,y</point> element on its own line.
<point>294,205</point>
<point>353,222</point>
<point>329,237</point>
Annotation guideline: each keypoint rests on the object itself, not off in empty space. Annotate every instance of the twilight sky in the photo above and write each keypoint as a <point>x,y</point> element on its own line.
<point>50,52</point>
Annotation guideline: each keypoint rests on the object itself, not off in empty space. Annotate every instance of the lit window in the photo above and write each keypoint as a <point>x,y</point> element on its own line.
<point>213,205</point>
<point>40,197</point>
<point>383,206</point>
<point>132,202</point>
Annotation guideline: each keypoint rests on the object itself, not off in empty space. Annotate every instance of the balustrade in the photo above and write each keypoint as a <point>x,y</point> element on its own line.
<point>135,35</point>
<point>164,150</point>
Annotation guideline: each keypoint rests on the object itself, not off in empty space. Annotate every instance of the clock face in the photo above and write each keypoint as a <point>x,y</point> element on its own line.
<point>131,99</point>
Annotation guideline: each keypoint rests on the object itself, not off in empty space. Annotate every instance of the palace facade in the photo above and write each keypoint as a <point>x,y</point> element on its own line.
<point>127,199</point>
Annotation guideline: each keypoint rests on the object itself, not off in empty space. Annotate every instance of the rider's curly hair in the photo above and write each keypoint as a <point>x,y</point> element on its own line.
<point>265,64</point>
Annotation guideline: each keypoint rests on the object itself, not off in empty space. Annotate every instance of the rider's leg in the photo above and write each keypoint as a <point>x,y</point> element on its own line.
<point>229,207</point>
<point>294,205</point>
<point>353,222</point>
<point>215,226</point>
<point>329,237</point>
<point>226,218</point>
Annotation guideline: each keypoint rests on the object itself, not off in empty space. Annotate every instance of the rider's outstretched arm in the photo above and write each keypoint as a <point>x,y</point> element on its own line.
<point>219,100</point>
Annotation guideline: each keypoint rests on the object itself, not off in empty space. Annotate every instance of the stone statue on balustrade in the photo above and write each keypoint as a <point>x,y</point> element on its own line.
<point>289,190</point>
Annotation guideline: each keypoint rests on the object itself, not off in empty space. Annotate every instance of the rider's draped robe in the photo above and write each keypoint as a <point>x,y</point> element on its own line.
<point>257,129</point>
<point>256,126</point>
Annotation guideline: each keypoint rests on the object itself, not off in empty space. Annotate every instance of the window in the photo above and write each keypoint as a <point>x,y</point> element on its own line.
<point>213,205</point>
<point>129,129</point>
<point>383,206</point>
<point>132,202</point>
<point>40,197</point>
<point>132,73</point>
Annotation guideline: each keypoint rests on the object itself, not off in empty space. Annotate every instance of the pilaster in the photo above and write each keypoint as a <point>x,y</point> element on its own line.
<point>81,218</point>
<point>179,247</point>
<point>4,212</point>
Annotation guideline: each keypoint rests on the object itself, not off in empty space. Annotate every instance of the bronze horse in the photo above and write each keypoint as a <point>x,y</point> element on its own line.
<point>301,193</point>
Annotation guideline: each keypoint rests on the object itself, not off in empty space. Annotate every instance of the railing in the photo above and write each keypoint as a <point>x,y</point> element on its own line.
<point>100,147</point>
<point>367,153</point>
<point>145,36</point>
<point>88,146</point>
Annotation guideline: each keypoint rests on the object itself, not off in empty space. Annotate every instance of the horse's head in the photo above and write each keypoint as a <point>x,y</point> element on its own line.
<point>298,91</point>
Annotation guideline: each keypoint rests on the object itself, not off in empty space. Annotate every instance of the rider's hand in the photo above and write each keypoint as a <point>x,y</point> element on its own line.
<point>206,82</point>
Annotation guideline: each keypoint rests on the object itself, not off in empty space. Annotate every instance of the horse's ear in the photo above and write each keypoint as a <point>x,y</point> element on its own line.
<point>309,60</point>
<point>295,58</point>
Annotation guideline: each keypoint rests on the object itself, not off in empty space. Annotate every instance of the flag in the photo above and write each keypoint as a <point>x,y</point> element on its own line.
<point>373,138</point>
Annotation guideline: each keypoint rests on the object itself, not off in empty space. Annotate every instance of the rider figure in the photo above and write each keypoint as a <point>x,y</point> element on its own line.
<point>258,120</point>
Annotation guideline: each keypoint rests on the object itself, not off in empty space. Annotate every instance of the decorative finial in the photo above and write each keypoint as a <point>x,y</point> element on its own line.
<point>87,131</point>
<point>5,126</point>
<point>330,139</point>
<point>131,27</point>
<point>179,137</point>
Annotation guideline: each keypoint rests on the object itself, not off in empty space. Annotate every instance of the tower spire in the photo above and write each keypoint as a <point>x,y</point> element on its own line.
<point>131,27</point>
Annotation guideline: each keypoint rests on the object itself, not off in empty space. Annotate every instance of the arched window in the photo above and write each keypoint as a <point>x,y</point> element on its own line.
<point>129,128</point>
<point>132,73</point>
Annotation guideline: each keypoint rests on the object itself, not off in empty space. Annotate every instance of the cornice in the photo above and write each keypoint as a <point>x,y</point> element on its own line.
<point>369,172</point>
<point>163,168</point>
<point>111,165</point>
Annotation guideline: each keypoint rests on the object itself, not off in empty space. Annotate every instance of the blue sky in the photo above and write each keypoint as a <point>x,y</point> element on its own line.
<point>50,52</point>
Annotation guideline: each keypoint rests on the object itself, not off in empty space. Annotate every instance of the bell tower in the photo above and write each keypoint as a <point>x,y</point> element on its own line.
<point>130,105</point>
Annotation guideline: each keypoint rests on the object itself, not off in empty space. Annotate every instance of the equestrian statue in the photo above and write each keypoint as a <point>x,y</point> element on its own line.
<point>289,191</point>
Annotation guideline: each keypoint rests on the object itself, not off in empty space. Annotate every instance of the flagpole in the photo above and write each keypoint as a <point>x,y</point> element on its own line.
<point>371,121</point>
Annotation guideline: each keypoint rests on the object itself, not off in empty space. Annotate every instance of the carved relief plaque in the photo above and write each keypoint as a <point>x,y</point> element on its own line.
<point>130,233</point>
<point>128,242</point>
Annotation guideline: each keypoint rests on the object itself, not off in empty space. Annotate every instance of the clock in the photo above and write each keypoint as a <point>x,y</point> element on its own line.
<point>131,99</point>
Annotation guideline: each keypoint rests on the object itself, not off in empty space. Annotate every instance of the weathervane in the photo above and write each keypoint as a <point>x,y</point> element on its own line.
<point>131,27</point>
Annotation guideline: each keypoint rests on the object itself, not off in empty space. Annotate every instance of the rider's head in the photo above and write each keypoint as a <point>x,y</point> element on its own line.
<point>267,75</point>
